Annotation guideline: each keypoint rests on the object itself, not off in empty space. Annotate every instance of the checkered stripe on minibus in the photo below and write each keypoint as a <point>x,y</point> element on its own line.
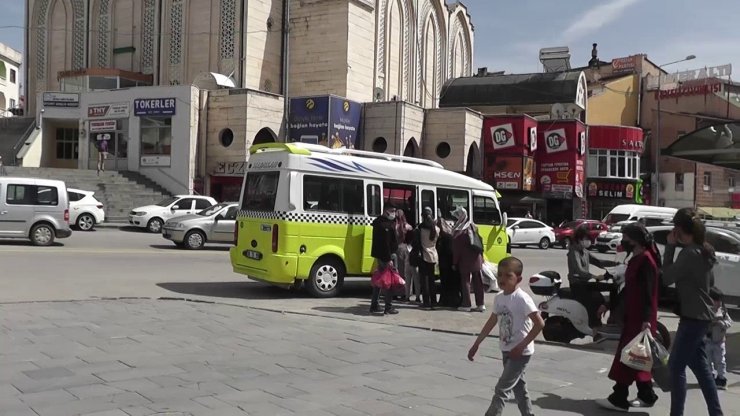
<point>309,217</point>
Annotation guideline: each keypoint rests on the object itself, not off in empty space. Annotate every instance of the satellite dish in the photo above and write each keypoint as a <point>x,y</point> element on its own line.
<point>557,111</point>
<point>378,94</point>
<point>572,110</point>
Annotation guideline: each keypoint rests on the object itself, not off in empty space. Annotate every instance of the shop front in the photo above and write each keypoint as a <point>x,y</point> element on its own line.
<point>509,145</point>
<point>560,169</point>
<point>108,123</point>
<point>614,168</point>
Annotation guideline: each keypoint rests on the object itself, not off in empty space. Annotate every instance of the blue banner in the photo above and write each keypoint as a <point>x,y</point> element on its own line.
<point>309,120</point>
<point>344,123</point>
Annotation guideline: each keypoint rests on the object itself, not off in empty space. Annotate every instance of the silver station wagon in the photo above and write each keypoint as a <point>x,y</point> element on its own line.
<point>214,224</point>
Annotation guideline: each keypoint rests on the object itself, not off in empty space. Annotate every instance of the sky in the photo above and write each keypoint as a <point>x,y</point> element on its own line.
<point>510,33</point>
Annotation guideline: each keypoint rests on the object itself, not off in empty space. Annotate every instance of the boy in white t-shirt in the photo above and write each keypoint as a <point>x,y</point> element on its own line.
<point>519,324</point>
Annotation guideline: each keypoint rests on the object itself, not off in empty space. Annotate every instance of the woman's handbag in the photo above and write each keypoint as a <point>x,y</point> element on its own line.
<point>476,241</point>
<point>638,354</point>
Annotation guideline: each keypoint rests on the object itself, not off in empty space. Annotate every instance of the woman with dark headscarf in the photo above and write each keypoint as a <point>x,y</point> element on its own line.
<point>428,234</point>
<point>692,273</point>
<point>467,261</point>
<point>640,297</point>
<point>449,278</point>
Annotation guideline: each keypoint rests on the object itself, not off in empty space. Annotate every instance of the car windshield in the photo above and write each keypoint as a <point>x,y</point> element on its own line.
<point>615,228</point>
<point>166,202</point>
<point>571,224</point>
<point>509,223</point>
<point>212,210</point>
<point>614,218</point>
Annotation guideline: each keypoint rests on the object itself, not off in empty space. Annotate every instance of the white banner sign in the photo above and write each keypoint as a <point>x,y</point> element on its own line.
<point>99,126</point>
<point>670,80</point>
<point>115,110</point>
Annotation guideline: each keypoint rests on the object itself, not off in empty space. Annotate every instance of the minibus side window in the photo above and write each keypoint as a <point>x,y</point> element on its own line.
<point>332,195</point>
<point>427,200</point>
<point>373,200</point>
<point>449,199</point>
<point>485,211</point>
<point>402,197</point>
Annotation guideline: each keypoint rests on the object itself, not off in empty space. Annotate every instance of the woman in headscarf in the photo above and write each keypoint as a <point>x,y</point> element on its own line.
<point>404,235</point>
<point>467,260</point>
<point>428,234</point>
<point>640,296</point>
<point>449,278</point>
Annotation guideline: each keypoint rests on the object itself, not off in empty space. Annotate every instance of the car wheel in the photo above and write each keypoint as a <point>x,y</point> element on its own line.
<point>544,243</point>
<point>326,278</point>
<point>42,235</point>
<point>194,240</point>
<point>85,222</point>
<point>154,225</point>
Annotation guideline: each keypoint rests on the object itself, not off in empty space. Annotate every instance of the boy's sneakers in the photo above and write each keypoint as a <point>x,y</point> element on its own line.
<point>721,383</point>
<point>613,405</point>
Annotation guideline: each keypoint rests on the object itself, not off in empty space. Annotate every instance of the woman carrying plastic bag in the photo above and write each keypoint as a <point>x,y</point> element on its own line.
<point>640,297</point>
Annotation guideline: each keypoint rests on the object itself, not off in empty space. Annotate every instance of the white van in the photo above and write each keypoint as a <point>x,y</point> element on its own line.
<point>36,209</point>
<point>634,212</point>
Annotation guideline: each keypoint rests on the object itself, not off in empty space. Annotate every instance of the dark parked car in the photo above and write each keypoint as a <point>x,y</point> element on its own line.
<point>564,232</point>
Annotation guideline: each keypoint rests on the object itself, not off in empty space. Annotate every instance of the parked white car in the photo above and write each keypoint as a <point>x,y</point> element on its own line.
<point>525,231</point>
<point>213,225</point>
<point>611,239</point>
<point>85,211</point>
<point>153,217</point>
<point>726,243</point>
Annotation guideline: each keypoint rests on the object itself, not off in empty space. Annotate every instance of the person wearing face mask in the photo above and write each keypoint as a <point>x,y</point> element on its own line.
<point>579,273</point>
<point>640,296</point>
<point>384,249</point>
<point>691,271</point>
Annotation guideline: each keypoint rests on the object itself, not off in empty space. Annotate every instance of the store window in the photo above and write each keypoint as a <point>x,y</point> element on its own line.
<point>156,136</point>
<point>66,141</point>
<point>679,182</point>
<point>619,164</point>
<point>707,181</point>
<point>12,76</point>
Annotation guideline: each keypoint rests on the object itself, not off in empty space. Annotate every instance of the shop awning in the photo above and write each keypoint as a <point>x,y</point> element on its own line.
<point>513,89</point>
<point>718,144</point>
<point>718,213</point>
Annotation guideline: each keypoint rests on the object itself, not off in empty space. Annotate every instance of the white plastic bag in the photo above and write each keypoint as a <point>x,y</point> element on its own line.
<point>637,354</point>
<point>488,273</point>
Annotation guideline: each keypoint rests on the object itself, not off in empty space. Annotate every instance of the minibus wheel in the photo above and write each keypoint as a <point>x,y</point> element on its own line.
<point>326,278</point>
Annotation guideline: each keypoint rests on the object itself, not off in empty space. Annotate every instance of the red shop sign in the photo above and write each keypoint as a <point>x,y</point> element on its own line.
<point>616,138</point>
<point>616,190</point>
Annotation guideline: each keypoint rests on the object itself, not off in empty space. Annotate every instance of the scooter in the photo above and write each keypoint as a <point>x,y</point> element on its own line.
<point>566,318</point>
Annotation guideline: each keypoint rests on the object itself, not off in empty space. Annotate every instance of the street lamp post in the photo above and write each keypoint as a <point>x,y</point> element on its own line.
<point>656,145</point>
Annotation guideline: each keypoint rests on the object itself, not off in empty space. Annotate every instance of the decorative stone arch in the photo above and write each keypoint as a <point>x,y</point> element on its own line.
<point>433,10</point>
<point>39,21</point>
<point>412,148</point>
<point>408,19</point>
<point>265,135</point>
<point>473,164</point>
<point>460,28</point>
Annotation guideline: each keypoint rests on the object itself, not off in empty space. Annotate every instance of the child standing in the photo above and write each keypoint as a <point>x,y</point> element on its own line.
<point>520,322</point>
<point>717,336</point>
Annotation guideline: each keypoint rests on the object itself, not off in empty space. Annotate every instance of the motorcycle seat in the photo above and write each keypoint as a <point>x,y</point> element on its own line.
<point>565,293</point>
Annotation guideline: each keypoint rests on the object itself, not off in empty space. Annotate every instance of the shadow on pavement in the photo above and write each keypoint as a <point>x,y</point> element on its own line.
<point>174,247</point>
<point>585,407</point>
<point>25,243</point>
<point>257,290</point>
<point>132,229</point>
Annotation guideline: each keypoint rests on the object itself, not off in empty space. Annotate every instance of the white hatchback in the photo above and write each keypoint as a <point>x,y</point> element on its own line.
<point>85,211</point>
<point>153,217</point>
<point>525,231</point>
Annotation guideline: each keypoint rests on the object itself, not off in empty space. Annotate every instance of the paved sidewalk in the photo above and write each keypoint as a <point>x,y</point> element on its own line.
<point>145,357</point>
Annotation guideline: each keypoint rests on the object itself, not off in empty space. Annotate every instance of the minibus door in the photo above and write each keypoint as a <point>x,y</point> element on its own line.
<point>373,208</point>
<point>427,198</point>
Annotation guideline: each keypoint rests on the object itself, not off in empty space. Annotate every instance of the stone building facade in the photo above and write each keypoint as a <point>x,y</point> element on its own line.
<point>235,54</point>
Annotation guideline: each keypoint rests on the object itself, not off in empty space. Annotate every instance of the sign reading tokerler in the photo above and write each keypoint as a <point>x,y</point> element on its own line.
<point>154,106</point>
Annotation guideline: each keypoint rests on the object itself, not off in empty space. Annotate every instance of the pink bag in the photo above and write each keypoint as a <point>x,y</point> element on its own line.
<point>387,279</point>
